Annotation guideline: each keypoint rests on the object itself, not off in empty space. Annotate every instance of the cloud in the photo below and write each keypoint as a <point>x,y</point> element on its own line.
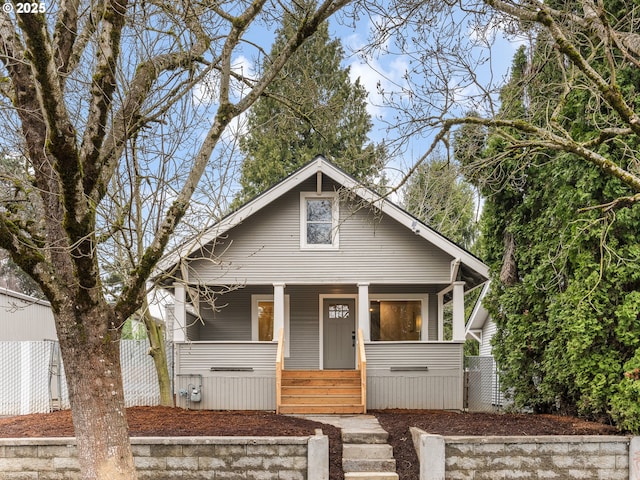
<point>241,65</point>
<point>379,76</point>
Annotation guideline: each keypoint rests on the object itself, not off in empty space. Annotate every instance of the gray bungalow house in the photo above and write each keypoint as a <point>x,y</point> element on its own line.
<point>319,296</point>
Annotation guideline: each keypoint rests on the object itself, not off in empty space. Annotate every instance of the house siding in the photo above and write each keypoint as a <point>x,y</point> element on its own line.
<point>488,331</point>
<point>193,332</point>
<point>24,318</point>
<point>304,329</point>
<point>389,386</point>
<point>231,319</point>
<point>227,390</point>
<point>372,248</point>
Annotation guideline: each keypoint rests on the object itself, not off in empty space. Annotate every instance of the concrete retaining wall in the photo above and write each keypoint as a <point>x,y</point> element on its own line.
<point>187,458</point>
<point>527,457</point>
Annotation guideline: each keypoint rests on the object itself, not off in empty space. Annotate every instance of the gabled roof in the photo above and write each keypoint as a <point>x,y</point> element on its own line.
<point>479,315</point>
<point>322,165</point>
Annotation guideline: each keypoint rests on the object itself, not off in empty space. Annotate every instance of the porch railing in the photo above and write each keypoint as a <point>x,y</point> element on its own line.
<point>279,367</point>
<point>362,366</point>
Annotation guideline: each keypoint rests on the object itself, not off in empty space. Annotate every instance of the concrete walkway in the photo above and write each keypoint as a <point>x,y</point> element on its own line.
<point>365,452</point>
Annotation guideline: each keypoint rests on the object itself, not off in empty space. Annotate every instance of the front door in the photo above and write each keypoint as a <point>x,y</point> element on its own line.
<point>339,333</point>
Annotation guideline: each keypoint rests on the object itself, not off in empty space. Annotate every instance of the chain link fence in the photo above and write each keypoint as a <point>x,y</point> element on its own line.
<point>32,376</point>
<point>24,381</point>
<point>482,385</point>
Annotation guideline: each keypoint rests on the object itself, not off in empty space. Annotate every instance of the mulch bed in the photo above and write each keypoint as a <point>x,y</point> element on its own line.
<point>164,421</point>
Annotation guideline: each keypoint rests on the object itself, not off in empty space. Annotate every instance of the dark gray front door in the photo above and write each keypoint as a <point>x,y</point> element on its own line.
<point>339,333</point>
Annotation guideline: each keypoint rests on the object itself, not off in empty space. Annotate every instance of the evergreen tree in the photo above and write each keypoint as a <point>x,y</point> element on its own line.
<point>11,275</point>
<point>438,195</point>
<point>311,108</point>
<point>566,290</point>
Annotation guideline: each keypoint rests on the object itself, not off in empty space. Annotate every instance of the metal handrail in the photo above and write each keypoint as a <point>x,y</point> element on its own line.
<point>362,366</point>
<point>279,368</point>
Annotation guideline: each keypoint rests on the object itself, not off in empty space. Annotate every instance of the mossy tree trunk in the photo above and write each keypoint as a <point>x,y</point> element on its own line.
<point>158,351</point>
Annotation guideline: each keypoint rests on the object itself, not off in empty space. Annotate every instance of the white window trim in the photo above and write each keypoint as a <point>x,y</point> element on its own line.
<point>335,216</point>
<point>409,297</point>
<point>255,299</point>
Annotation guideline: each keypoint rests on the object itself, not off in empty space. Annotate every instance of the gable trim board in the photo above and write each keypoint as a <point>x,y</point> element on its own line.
<point>478,316</point>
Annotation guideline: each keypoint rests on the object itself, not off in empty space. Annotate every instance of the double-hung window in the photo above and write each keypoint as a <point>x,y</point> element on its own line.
<point>319,220</point>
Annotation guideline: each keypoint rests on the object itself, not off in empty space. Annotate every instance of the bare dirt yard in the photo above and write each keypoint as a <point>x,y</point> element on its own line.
<point>163,421</point>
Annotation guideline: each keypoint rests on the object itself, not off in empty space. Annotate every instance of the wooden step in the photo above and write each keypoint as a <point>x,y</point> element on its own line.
<point>328,378</point>
<point>320,373</point>
<point>327,409</point>
<point>319,382</point>
<point>320,390</point>
<point>320,399</point>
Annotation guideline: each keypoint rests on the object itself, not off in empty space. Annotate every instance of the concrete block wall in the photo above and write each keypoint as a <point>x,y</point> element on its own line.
<point>527,457</point>
<point>187,458</point>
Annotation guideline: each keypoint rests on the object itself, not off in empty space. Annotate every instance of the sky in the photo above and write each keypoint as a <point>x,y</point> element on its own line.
<point>387,71</point>
<point>381,70</point>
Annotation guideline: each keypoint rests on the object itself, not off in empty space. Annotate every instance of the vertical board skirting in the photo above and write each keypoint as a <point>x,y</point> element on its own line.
<point>414,391</point>
<point>241,392</point>
<point>392,381</point>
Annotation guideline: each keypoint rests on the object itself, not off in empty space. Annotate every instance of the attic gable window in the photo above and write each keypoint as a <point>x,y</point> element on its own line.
<point>318,220</point>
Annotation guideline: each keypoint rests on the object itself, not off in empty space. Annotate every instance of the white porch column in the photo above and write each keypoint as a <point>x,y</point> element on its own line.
<point>278,309</point>
<point>179,313</point>
<point>458,311</point>
<point>364,318</point>
<point>440,316</point>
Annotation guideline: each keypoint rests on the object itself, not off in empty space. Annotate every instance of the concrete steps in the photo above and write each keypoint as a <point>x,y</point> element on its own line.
<point>366,454</point>
<point>367,437</point>
<point>370,476</point>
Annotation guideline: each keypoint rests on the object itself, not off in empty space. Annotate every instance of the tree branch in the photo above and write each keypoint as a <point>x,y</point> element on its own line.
<point>103,86</point>
<point>541,137</point>
<point>127,120</point>
<point>225,114</point>
<point>65,33</point>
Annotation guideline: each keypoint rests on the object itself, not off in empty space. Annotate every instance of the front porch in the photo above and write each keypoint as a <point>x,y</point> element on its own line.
<point>407,352</point>
<point>244,376</point>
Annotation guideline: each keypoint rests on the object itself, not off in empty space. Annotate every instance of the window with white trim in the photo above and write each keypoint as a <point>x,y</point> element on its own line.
<point>318,220</point>
<point>262,313</point>
<point>398,318</point>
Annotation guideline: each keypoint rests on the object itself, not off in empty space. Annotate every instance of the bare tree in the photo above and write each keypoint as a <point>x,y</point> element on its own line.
<point>81,80</point>
<point>450,72</point>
